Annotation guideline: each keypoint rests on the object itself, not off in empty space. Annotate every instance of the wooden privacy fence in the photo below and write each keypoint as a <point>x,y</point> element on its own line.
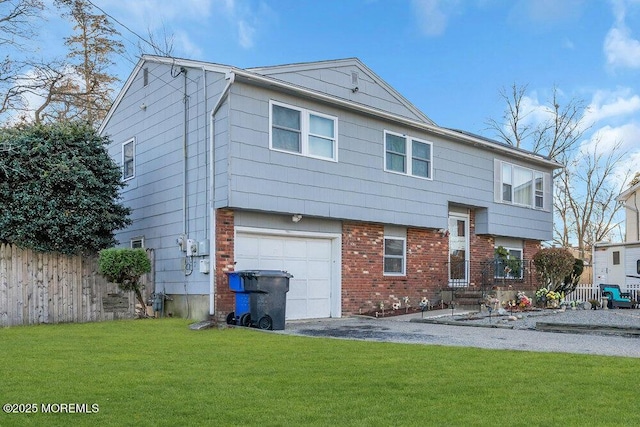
<point>38,287</point>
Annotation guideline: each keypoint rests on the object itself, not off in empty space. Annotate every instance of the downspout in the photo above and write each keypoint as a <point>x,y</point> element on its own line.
<point>206,176</point>
<point>212,209</point>
<point>185,225</point>
<point>637,224</point>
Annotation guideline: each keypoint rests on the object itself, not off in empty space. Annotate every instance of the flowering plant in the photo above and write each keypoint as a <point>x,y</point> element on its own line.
<point>543,293</point>
<point>522,300</point>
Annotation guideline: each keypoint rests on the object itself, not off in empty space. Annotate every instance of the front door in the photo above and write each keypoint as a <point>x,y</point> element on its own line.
<point>458,250</point>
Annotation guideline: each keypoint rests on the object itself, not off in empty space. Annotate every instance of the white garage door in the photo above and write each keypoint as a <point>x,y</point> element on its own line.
<point>307,259</point>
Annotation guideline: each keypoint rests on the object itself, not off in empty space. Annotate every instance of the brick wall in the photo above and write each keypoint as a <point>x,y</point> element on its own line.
<point>529,250</point>
<point>481,248</point>
<point>225,300</point>
<point>364,285</point>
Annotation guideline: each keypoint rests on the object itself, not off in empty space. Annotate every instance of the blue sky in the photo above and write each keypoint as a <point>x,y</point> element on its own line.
<point>450,58</point>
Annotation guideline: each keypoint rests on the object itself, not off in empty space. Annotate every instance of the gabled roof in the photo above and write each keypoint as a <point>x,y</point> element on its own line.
<point>624,196</point>
<point>264,76</point>
<point>280,71</point>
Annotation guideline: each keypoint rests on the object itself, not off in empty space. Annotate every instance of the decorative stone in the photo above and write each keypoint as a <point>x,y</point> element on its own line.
<point>512,318</point>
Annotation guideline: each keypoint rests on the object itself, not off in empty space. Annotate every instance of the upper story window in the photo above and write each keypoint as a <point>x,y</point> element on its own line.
<point>522,186</point>
<point>128,159</point>
<point>301,131</point>
<point>137,242</point>
<point>407,155</point>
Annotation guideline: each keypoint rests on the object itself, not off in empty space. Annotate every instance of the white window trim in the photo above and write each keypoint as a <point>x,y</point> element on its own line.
<point>137,239</point>
<point>546,185</point>
<point>133,175</point>
<point>509,249</point>
<point>304,131</point>
<point>404,256</point>
<point>409,153</point>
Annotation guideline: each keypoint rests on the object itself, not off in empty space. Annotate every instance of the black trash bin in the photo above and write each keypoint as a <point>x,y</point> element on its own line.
<point>267,297</point>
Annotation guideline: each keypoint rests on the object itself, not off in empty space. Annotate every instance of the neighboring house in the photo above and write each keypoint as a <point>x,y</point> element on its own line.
<point>320,169</point>
<point>631,200</point>
<point>619,263</point>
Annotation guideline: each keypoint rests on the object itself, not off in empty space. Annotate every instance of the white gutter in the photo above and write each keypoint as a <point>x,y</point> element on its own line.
<point>212,170</point>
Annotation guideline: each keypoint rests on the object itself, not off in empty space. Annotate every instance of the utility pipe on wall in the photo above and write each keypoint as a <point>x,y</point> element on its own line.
<point>212,209</point>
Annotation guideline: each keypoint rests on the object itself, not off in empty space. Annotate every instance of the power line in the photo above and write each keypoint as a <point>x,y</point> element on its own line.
<point>153,46</point>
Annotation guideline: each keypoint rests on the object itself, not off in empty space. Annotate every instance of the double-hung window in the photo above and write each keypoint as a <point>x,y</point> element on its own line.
<point>394,256</point>
<point>511,266</point>
<point>301,131</point>
<point>407,155</point>
<point>522,186</point>
<point>128,159</point>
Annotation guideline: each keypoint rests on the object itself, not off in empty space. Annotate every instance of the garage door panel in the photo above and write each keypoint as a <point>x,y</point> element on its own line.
<point>297,289</point>
<point>318,247</point>
<point>271,247</point>
<point>245,248</point>
<point>319,269</point>
<point>307,259</point>
<point>318,308</point>
<point>295,249</point>
<point>298,268</point>
<point>318,289</point>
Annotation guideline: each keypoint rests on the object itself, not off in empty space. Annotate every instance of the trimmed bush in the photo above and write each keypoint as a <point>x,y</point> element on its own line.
<point>125,266</point>
<point>552,266</point>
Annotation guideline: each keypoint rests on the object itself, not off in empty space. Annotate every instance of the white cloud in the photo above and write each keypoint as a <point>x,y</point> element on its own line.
<point>533,111</point>
<point>151,15</point>
<point>433,15</point>
<point>246,34</point>
<point>609,138</point>
<point>607,104</point>
<point>620,48</point>
<point>184,44</point>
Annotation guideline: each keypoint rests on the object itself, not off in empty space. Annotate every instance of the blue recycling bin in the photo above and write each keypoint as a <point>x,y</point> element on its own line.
<point>241,314</point>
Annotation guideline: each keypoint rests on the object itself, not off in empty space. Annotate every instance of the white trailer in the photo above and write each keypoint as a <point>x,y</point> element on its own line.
<point>617,264</point>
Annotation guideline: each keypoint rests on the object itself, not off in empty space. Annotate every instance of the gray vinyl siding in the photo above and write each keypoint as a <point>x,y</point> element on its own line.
<point>334,78</point>
<point>251,177</point>
<point>155,194</point>
<point>357,187</point>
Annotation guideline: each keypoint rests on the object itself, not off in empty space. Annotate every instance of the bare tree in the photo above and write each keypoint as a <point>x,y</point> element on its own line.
<point>91,46</point>
<point>584,195</point>
<point>513,129</point>
<point>585,199</point>
<point>553,137</point>
<point>16,27</point>
<point>161,44</point>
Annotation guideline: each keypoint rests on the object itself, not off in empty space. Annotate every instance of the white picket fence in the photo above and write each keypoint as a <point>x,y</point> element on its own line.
<point>586,292</point>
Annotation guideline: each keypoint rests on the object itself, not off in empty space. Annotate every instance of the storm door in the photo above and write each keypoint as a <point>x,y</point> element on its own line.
<point>458,251</point>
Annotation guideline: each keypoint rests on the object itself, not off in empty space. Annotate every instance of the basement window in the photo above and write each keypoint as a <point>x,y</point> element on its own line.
<point>394,256</point>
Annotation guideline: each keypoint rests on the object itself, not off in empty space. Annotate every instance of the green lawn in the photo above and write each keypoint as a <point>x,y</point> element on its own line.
<point>159,372</point>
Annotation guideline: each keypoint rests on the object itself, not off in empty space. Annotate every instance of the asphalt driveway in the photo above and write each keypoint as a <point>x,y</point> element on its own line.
<point>401,329</point>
